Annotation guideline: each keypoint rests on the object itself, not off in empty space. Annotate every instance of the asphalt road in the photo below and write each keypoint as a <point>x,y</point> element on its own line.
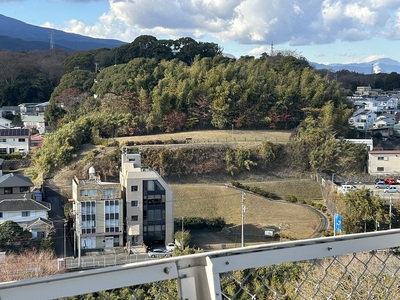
<point>56,214</point>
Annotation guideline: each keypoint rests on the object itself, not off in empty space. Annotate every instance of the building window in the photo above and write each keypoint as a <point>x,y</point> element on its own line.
<point>3,140</point>
<point>134,188</point>
<point>1,215</point>
<point>26,213</point>
<point>8,190</point>
<point>23,189</point>
<point>380,157</point>
<point>134,218</point>
<point>88,193</point>
<point>109,193</point>
<point>21,140</point>
<point>88,215</point>
<point>111,216</point>
<point>380,169</point>
<point>3,150</point>
<point>134,203</point>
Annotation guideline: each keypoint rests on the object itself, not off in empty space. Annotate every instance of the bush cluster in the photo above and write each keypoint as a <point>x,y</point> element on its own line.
<point>256,190</point>
<point>200,223</point>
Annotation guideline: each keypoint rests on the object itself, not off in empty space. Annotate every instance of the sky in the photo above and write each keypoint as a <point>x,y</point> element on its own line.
<point>322,31</point>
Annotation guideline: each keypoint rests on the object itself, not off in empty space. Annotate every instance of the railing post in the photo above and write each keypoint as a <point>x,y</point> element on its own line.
<point>199,282</point>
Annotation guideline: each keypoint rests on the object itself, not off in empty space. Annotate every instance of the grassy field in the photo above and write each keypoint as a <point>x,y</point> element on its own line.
<point>303,189</point>
<point>210,201</point>
<point>208,136</point>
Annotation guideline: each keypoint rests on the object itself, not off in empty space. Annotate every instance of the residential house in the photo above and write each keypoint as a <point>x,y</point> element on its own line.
<point>384,121</point>
<point>366,91</point>
<point>5,123</point>
<point>14,186</point>
<point>9,110</point>
<point>384,162</point>
<point>27,109</point>
<point>362,119</point>
<point>36,141</point>
<point>14,139</point>
<point>31,215</point>
<point>149,203</point>
<point>98,211</point>
<point>35,122</point>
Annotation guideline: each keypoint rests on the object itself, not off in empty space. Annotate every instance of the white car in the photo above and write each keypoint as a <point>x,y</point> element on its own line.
<point>391,189</point>
<point>347,187</point>
<point>170,247</point>
<point>158,253</point>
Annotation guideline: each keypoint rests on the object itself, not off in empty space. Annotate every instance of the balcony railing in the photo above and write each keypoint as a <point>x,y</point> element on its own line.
<point>357,266</point>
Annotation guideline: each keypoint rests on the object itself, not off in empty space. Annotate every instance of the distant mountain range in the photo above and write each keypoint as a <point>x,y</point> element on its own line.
<point>383,65</point>
<point>16,35</point>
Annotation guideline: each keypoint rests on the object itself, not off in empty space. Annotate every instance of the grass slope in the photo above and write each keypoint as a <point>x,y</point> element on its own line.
<point>210,201</point>
<point>207,136</point>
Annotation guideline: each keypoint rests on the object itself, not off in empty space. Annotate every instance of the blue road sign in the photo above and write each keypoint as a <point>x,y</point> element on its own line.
<point>338,223</point>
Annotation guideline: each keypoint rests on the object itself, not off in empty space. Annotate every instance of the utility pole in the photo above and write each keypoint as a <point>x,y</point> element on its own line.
<point>182,236</point>
<point>243,211</point>
<point>390,212</point>
<point>65,242</point>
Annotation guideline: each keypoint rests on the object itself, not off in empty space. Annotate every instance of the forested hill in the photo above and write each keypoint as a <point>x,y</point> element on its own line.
<point>169,95</point>
<point>153,95</point>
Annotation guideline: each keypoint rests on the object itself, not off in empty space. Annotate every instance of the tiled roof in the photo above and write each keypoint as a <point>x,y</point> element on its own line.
<point>14,180</point>
<point>23,204</point>
<point>14,132</point>
<point>39,220</point>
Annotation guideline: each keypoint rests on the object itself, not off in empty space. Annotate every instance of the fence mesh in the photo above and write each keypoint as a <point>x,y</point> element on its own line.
<point>373,275</point>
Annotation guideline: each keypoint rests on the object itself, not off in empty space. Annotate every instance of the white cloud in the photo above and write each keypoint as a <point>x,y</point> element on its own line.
<point>297,22</point>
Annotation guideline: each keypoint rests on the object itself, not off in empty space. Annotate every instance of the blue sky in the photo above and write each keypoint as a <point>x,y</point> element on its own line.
<point>323,31</point>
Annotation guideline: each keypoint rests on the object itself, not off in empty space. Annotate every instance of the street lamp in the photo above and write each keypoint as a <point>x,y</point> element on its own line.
<point>243,211</point>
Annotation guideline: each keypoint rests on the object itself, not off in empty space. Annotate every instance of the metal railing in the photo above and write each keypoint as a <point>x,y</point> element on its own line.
<point>356,266</point>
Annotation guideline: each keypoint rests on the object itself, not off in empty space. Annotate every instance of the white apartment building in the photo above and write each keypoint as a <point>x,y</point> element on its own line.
<point>98,211</point>
<point>384,162</point>
<point>149,203</point>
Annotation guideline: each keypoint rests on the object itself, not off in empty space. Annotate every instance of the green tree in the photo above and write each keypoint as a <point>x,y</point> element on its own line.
<point>360,209</point>
<point>11,232</point>
<point>183,237</point>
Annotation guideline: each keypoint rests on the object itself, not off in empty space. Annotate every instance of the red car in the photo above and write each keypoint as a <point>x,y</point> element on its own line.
<point>390,181</point>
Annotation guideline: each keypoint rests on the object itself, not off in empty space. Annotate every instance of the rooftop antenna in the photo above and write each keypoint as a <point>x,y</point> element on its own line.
<point>52,40</point>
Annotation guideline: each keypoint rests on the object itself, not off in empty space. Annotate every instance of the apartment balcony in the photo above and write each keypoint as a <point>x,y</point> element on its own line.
<point>357,266</point>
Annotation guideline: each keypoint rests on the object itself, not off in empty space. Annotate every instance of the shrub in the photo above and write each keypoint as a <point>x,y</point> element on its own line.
<point>291,198</point>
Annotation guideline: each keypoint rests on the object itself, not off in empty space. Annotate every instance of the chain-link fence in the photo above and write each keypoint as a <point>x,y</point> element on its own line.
<point>357,266</point>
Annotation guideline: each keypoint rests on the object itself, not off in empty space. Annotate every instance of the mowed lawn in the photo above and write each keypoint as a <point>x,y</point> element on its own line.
<point>303,189</point>
<point>208,136</point>
<point>211,201</point>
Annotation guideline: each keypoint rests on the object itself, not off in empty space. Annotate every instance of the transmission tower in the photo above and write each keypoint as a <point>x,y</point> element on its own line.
<point>51,40</point>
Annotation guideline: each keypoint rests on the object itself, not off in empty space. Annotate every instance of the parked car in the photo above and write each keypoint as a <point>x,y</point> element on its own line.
<point>158,253</point>
<point>381,185</point>
<point>170,247</point>
<point>390,181</point>
<point>391,189</point>
<point>347,187</point>
<point>379,180</point>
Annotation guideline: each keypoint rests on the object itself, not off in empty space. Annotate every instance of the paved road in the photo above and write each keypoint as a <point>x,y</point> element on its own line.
<point>57,216</point>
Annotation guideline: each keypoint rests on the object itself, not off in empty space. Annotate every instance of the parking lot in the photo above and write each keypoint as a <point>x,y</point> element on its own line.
<point>395,197</point>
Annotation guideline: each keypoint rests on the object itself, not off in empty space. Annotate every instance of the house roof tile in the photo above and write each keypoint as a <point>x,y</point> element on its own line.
<point>23,204</point>
<point>14,180</point>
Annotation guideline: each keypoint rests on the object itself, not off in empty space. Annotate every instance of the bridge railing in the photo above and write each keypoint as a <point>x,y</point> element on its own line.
<point>357,266</point>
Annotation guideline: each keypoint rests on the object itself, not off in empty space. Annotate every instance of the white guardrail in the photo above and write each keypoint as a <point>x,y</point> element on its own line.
<point>200,276</point>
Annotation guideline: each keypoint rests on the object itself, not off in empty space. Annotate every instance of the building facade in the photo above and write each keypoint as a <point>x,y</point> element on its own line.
<point>98,211</point>
<point>384,162</point>
<point>149,203</point>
